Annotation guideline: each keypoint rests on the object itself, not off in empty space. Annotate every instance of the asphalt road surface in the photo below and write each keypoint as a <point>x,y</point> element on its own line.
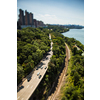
<point>30,86</point>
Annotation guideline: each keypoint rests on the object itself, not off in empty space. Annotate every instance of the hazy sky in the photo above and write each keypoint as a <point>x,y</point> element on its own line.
<point>54,11</point>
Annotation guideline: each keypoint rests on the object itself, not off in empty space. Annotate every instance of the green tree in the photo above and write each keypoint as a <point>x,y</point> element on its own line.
<point>20,73</point>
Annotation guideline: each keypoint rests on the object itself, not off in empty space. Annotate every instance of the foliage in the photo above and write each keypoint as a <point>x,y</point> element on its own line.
<point>71,42</point>
<point>55,64</point>
<point>20,72</point>
<point>74,88</point>
<point>32,45</point>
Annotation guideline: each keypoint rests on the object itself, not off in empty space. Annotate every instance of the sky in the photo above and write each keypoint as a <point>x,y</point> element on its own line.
<point>54,11</point>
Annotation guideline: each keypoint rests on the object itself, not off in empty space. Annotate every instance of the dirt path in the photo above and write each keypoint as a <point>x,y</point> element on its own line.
<point>61,80</point>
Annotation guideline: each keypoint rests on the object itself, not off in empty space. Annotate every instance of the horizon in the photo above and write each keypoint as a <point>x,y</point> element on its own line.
<point>60,12</point>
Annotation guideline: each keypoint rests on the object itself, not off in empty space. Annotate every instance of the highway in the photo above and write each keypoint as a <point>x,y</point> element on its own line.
<point>29,87</point>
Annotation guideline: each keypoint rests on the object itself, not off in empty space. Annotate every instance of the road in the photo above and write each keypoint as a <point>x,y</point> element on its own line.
<point>29,87</point>
<point>79,49</point>
<point>68,51</point>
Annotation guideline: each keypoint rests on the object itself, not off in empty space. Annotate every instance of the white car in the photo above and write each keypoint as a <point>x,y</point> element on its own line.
<point>41,67</point>
<point>38,73</point>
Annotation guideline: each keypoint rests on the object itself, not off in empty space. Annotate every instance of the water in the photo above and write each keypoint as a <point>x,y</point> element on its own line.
<point>78,34</point>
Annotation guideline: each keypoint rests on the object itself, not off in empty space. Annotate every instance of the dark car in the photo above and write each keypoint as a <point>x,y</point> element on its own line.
<point>37,68</point>
<point>45,67</point>
<point>46,58</point>
<point>40,76</point>
<point>29,79</point>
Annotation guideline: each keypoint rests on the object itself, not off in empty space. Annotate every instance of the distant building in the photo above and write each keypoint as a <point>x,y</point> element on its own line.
<point>35,22</point>
<point>28,20</point>
<point>21,17</point>
<point>31,19</point>
<point>41,24</point>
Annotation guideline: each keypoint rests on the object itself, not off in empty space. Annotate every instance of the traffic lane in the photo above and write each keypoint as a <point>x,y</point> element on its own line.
<point>32,83</point>
<point>27,85</point>
<point>42,72</point>
<point>45,61</point>
<point>30,89</point>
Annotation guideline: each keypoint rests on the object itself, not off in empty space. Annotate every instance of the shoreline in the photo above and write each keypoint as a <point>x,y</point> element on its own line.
<point>75,35</point>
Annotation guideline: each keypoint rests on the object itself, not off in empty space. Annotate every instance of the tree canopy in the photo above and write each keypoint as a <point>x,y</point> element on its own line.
<point>32,45</point>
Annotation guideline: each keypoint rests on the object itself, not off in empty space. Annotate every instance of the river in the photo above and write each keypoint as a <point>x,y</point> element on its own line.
<point>78,34</point>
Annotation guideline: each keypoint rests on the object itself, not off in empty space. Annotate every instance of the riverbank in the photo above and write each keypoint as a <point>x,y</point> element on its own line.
<point>78,34</point>
<point>73,88</point>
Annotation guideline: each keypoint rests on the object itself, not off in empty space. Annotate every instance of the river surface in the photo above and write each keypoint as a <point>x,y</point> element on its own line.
<point>78,34</point>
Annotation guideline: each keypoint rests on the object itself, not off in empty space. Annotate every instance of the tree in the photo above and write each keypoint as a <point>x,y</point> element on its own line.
<point>69,91</point>
<point>46,78</point>
<point>20,72</point>
<point>75,95</point>
<point>76,78</point>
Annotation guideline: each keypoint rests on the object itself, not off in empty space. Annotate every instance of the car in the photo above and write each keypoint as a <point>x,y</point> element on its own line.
<point>38,73</point>
<point>40,76</point>
<point>46,58</point>
<point>45,67</point>
<point>49,50</point>
<point>41,63</point>
<point>37,68</point>
<point>41,67</point>
<point>29,79</point>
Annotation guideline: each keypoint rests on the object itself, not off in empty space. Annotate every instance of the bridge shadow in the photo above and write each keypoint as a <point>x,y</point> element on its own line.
<point>29,77</point>
<point>46,58</point>
<point>48,53</point>
<point>41,64</point>
<point>21,87</point>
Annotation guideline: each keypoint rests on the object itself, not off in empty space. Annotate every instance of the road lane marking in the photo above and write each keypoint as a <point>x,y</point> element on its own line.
<point>34,78</point>
<point>18,97</point>
<point>27,86</point>
<point>31,86</point>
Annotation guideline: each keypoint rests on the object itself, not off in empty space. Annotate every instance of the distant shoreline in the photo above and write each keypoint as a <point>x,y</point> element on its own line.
<point>77,34</point>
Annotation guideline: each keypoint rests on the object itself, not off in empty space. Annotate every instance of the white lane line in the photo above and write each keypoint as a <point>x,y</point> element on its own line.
<point>27,86</point>
<point>18,97</point>
<point>31,86</point>
<point>34,77</point>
